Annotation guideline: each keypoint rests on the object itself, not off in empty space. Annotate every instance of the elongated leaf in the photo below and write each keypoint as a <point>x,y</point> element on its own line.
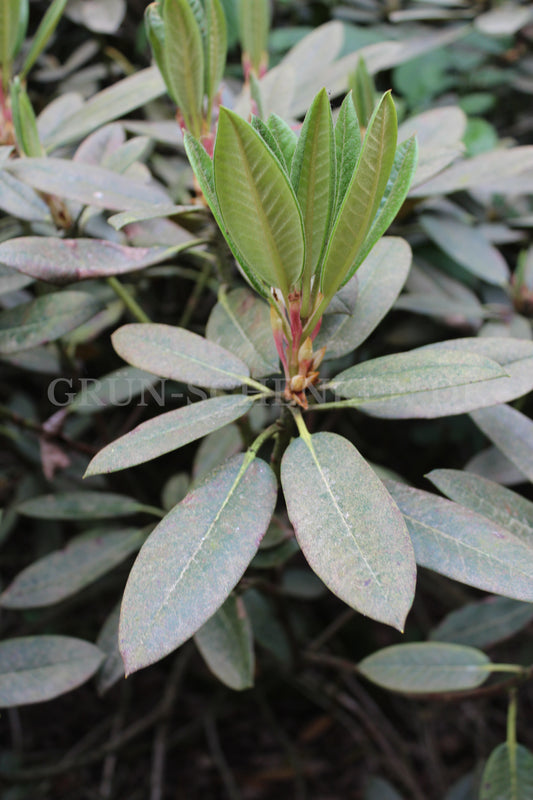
<point>349,529</point>
<point>20,200</point>
<point>465,546</point>
<point>63,261</point>
<point>117,388</point>
<point>254,23</point>
<point>379,281</point>
<point>215,48</point>
<point>399,380</point>
<point>120,99</point>
<point>80,505</point>
<point>44,319</point>
<point>512,432</point>
<point>226,644</point>
<point>484,623</point>
<point>396,191</point>
<point>362,198</point>
<point>506,508</point>
<point>497,171</point>
<point>240,322</point>
<point>493,465</point>
<point>508,774</point>
<point>313,178</point>
<point>257,203</point>
<point>515,356</point>
<point>285,137</point>
<point>379,789</point>
<point>168,432</point>
<point>193,559</point>
<point>468,247</point>
<point>203,169</point>
<point>179,354</point>
<point>38,668</point>
<point>184,57</point>
<point>10,12</point>
<point>112,668</point>
<point>216,448</point>
<point>86,183</point>
<point>268,631</point>
<point>43,33</point>
<point>422,667</point>
<point>347,147</point>
<point>65,572</point>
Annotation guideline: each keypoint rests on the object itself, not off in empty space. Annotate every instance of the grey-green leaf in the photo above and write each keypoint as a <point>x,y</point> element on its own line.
<point>64,572</point>
<point>407,384</point>
<point>184,61</point>
<point>503,506</point>
<point>422,667</point>
<point>379,281</point>
<point>511,431</point>
<point>194,558</point>
<point>38,668</point>
<point>348,527</point>
<point>63,261</point>
<point>80,505</point>
<point>44,319</point>
<point>226,644</point>
<point>347,147</point>
<point>240,322</point>
<point>484,623</point>
<point>179,354</point>
<point>465,546</point>
<point>168,432</point>
<point>508,774</point>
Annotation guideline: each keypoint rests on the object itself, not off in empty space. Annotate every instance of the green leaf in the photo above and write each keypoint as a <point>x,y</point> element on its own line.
<point>268,631</point>
<point>484,623</point>
<point>348,527</point>
<point>216,44</point>
<point>112,668</point>
<point>10,12</point>
<point>504,507</point>
<point>62,261</point>
<point>184,61</point>
<point>80,506</point>
<point>364,92</point>
<point>194,558</point>
<point>347,148</point>
<point>407,385</point>
<point>65,572</point>
<point>421,667</point>
<point>511,431</point>
<point>257,203</point>
<point>254,24</point>
<point>465,546</point>
<point>155,30</point>
<point>269,139</point>
<point>226,644</point>
<point>42,35</point>
<point>44,319</point>
<point>468,247</point>
<point>402,172</point>
<point>203,169</point>
<point>38,668</point>
<point>508,774</point>
<point>168,432</point>
<point>121,98</point>
<point>179,354</point>
<point>379,281</point>
<point>362,198</point>
<point>214,449</point>
<point>313,179</point>
<point>285,137</point>
<point>88,184</point>
<point>24,121</point>
<point>379,789</point>
<point>240,322</point>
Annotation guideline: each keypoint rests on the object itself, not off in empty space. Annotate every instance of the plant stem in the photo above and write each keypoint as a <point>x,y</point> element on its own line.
<point>128,300</point>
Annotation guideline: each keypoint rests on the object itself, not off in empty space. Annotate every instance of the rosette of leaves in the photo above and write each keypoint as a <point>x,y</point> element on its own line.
<point>189,42</point>
<point>301,214</point>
